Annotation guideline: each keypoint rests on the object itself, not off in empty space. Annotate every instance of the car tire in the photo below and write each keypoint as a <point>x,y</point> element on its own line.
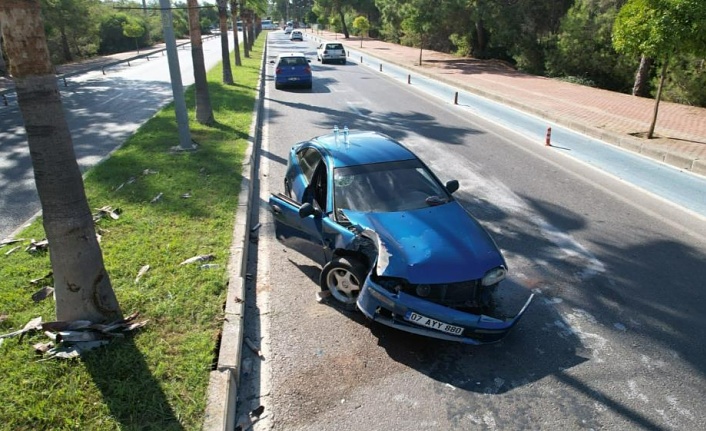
<point>343,61</point>
<point>343,277</point>
<point>309,85</point>
<point>277,86</point>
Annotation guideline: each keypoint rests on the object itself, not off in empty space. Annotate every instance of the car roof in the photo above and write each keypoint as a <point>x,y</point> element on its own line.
<point>362,148</point>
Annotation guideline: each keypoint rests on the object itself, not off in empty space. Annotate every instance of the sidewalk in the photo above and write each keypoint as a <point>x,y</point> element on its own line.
<point>615,118</point>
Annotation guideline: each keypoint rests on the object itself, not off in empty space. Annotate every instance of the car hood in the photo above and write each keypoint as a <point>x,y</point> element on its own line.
<point>438,244</point>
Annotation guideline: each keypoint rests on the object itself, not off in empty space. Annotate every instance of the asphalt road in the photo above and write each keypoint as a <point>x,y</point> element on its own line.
<point>614,340</point>
<point>102,112</point>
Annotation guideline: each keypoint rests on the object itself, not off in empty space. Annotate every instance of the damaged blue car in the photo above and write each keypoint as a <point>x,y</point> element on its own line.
<point>390,237</point>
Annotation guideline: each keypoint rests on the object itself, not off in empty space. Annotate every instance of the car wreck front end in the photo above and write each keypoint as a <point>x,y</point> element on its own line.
<point>434,274</point>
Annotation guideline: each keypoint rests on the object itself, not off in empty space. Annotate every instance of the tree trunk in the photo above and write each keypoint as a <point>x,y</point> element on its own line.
<point>65,44</point>
<point>225,51</point>
<point>343,24</point>
<point>642,78</point>
<point>651,132</point>
<point>3,66</point>
<point>234,18</point>
<point>246,46</point>
<point>82,285</point>
<point>204,113</point>
<point>480,35</point>
<point>250,28</point>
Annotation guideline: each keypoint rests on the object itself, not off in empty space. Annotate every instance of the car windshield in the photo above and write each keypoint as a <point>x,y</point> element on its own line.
<point>293,61</point>
<point>387,187</point>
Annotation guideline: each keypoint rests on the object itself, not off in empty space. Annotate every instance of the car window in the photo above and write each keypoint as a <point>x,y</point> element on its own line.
<point>293,61</point>
<point>387,187</point>
<point>308,160</point>
<point>334,46</point>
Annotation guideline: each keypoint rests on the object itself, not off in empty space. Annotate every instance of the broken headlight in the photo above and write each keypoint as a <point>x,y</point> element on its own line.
<point>494,276</point>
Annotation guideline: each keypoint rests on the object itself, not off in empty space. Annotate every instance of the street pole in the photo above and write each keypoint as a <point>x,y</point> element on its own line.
<point>175,74</point>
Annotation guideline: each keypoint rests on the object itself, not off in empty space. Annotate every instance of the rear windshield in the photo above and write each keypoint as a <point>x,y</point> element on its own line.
<point>334,46</point>
<point>293,61</point>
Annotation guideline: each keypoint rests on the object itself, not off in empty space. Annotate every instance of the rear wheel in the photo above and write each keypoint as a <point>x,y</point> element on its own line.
<point>344,277</point>
<point>343,61</point>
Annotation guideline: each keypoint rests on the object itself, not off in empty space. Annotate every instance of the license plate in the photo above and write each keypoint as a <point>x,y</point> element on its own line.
<point>428,322</point>
<point>294,79</point>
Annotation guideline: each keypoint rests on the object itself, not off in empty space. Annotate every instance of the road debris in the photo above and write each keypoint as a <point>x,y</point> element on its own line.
<point>42,294</point>
<point>36,246</point>
<point>12,250</point>
<point>254,348</point>
<point>69,339</point>
<point>156,198</point>
<point>186,196</point>
<point>200,258</point>
<point>149,172</point>
<point>141,272</point>
<point>9,241</point>
<point>37,280</point>
<point>106,211</point>
<point>209,266</point>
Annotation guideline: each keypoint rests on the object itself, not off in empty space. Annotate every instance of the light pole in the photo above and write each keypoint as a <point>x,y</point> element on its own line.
<point>175,75</point>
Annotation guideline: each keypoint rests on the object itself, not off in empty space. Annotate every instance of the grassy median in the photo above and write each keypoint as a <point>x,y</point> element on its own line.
<point>155,379</point>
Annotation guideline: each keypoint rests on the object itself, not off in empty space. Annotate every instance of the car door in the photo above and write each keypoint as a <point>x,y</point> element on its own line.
<point>314,233</point>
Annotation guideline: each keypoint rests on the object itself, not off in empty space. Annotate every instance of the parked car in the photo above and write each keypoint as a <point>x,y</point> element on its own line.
<point>292,69</point>
<point>331,52</point>
<point>296,35</point>
<point>391,238</point>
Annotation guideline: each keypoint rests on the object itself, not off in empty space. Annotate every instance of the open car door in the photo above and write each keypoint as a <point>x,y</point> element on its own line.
<point>303,234</point>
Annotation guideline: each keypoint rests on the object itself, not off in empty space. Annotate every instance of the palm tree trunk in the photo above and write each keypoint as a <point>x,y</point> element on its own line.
<point>650,134</point>
<point>234,18</point>
<point>81,282</point>
<point>204,112</point>
<point>246,46</point>
<point>225,51</point>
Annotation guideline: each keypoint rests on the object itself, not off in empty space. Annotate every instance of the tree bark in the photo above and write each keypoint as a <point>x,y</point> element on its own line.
<point>651,132</point>
<point>234,18</point>
<point>225,51</point>
<point>642,78</point>
<point>246,45</point>
<point>204,112</point>
<point>250,29</point>
<point>3,66</point>
<point>81,282</point>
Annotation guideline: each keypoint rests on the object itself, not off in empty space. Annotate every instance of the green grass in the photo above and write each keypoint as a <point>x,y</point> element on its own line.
<point>157,378</point>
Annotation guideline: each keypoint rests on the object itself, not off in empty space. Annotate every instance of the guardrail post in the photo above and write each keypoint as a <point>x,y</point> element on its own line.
<point>409,79</point>
<point>361,59</point>
<point>64,78</point>
<point>380,67</point>
<point>103,70</point>
<point>456,99</point>
<point>4,99</point>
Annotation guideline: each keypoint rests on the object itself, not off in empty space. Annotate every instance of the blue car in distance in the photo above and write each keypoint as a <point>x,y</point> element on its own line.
<point>292,69</point>
<point>390,237</point>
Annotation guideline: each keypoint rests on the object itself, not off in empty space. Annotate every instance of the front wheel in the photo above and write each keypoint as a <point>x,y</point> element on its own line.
<point>344,278</point>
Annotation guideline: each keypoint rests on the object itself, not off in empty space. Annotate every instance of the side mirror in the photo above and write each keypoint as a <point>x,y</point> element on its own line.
<point>452,186</point>
<point>308,209</point>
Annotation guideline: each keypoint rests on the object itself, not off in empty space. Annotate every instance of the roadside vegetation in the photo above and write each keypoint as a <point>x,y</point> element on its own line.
<point>169,207</point>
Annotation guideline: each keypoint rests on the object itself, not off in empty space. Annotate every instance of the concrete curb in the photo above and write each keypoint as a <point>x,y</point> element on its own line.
<point>223,382</point>
<point>635,145</point>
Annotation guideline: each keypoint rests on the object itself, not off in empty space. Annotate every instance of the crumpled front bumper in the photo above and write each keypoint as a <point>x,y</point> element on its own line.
<point>390,309</point>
